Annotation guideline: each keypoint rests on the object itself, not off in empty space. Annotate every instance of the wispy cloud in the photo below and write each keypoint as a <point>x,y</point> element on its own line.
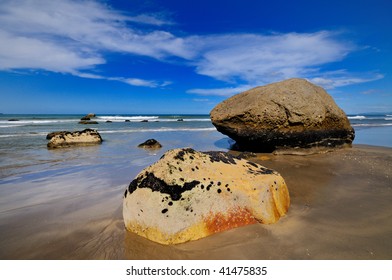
<point>340,78</point>
<point>130,81</point>
<point>220,91</point>
<point>256,58</point>
<point>142,83</point>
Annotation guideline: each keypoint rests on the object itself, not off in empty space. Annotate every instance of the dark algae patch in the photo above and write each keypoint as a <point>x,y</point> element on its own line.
<point>221,157</point>
<point>148,180</point>
<point>180,155</point>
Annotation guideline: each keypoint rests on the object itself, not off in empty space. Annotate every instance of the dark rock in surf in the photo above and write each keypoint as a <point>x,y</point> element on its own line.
<point>150,144</point>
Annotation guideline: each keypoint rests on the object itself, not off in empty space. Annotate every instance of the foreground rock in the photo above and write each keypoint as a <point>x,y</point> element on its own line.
<point>150,144</point>
<point>63,139</point>
<point>289,114</point>
<point>188,195</point>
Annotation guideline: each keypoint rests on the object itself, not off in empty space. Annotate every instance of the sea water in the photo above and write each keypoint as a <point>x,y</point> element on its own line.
<point>23,140</point>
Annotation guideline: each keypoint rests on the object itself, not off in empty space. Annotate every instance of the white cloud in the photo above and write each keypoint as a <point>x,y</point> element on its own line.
<point>130,81</point>
<point>330,80</point>
<point>140,82</point>
<point>24,52</point>
<point>255,58</point>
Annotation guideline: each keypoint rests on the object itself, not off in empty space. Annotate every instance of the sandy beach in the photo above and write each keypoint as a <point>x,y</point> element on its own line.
<point>340,209</point>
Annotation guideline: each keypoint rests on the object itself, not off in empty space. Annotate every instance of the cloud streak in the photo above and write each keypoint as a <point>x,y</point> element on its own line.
<point>220,91</point>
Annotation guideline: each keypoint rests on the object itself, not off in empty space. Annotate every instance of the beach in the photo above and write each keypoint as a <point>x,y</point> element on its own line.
<point>67,203</point>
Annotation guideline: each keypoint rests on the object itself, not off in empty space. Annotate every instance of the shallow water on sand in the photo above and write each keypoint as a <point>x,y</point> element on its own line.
<point>340,209</point>
<point>67,203</point>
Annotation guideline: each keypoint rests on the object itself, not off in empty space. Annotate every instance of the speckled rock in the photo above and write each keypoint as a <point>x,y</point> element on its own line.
<point>290,114</point>
<point>63,139</point>
<point>187,195</point>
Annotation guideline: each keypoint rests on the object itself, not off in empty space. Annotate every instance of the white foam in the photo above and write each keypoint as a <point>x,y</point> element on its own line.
<point>129,118</point>
<point>27,122</point>
<point>356,117</point>
<point>372,125</point>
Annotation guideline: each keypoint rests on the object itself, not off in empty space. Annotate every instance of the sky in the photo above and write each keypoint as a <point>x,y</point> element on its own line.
<point>184,57</point>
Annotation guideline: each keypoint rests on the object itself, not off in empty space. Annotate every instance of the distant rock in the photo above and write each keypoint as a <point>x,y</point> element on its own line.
<point>88,122</point>
<point>13,120</point>
<point>90,115</point>
<point>187,195</point>
<point>144,121</point>
<point>127,121</point>
<point>108,121</point>
<point>290,114</point>
<point>63,139</point>
<point>180,120</point>
<point>150,144</point>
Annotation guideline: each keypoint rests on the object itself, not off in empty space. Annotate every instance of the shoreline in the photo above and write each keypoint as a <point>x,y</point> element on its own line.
<point>340,209</point>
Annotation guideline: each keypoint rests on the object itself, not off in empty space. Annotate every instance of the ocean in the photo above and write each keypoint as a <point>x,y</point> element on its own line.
<point>23,140</point>
<point>67,203</point>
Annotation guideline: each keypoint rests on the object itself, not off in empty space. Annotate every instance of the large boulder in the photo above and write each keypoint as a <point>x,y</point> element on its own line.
<point>290,114</point>
<point>187,195</point>
<point>64,139</point>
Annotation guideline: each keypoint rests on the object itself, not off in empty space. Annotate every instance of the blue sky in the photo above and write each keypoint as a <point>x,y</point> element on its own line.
<point>173,56</point>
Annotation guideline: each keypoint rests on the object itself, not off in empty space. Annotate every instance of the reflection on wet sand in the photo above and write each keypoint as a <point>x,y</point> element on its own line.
<point>340,209</point>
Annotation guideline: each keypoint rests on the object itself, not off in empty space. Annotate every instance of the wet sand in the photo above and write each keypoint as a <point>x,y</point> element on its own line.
<point>340,209</point>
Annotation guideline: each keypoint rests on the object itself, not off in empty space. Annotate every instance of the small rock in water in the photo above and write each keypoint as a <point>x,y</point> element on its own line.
<point>150,144</point>
<point>63,139</point>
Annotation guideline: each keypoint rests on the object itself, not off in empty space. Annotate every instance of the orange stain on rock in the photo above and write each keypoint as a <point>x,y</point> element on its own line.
<point>234,218</point>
